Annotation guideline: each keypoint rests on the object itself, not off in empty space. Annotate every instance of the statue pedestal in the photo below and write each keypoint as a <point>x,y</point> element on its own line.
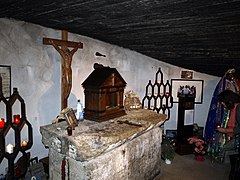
<point>128,147</point>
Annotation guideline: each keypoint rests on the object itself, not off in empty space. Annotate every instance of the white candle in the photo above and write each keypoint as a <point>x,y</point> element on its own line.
<point>9,148</point>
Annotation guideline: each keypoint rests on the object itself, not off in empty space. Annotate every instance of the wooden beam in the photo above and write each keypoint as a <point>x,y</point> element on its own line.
<point>49,41</point>
<point>64,96</point>
<point>62,46</point>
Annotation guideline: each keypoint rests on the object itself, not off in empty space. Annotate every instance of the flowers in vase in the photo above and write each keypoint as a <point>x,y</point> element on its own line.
<point>199,145</point>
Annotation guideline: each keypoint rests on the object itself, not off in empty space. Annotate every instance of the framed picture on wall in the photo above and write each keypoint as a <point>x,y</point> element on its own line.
<point>187,88</point>
<point>5,80</point>
<point>187,74</point>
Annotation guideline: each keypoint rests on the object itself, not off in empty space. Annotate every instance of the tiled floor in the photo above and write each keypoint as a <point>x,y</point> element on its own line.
<point>187,168</point>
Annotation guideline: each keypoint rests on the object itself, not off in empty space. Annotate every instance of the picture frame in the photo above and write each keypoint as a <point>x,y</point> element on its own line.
<point>5,73</point>
<point>195,89</point>
<point>187,74</point>
<point>70,117</point>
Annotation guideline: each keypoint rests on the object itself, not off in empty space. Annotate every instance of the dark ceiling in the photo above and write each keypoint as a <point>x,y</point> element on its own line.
<point>202,35</point>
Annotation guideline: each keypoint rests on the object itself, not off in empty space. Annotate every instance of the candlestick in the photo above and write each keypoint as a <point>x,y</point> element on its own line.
<point>2,122</point>
<point>69,130</point>
<point>9,148</point>
<point>24,143</point>
<point>16,118</point>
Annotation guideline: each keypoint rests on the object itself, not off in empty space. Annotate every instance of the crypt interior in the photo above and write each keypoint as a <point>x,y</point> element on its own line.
<point>50,48</point>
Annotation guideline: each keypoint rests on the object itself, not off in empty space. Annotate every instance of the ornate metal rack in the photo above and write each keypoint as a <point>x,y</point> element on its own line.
<point>13,171</point>
<point>158,96</point>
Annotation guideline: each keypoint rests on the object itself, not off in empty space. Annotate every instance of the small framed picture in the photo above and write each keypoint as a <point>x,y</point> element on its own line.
<point>70,116</point>
<point>186,74</point>
<point>5,80</point>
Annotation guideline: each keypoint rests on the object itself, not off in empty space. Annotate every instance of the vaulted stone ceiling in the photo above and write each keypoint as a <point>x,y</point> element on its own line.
<point>202,35</point>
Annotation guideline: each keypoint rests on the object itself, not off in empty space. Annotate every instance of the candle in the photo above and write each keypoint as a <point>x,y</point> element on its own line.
<point>16,119</point>
<point>69,130</point>
<point>2,122</point>
<point>9,148</point>
<point>24,143</point>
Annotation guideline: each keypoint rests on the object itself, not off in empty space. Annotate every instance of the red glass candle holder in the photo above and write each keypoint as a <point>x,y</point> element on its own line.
<point>69,130</point>
<point>2,123</point>
<point>16,118</point>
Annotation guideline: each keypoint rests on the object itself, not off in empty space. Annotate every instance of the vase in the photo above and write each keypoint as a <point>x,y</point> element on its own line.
<point>167,161</point>
<point>199,157</point>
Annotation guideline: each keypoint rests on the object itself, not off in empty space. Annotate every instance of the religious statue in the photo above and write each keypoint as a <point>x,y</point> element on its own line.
<point>67,55</point>
<point>63,47</point>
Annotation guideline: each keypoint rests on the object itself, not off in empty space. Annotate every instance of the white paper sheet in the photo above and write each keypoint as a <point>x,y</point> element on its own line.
<point>189,117</point>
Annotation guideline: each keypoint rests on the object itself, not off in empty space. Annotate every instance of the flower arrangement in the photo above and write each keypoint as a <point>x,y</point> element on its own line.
<point>168,149</point>
<point>199,147</point>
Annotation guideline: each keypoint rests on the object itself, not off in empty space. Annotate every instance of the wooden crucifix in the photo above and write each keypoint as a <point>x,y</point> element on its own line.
<point>66,49</point>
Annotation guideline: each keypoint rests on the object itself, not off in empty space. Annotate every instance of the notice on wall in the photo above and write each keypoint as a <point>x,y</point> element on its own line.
<point>5,73</point>
<point>189,117</point>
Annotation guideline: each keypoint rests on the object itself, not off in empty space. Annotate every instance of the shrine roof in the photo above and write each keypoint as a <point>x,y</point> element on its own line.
<point>100,75</point>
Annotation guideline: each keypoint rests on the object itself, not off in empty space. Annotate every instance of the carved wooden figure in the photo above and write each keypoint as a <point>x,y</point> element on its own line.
<point>63,47</point>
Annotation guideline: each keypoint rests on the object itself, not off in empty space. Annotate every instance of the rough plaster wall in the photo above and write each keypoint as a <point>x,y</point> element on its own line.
<point>36,73</point>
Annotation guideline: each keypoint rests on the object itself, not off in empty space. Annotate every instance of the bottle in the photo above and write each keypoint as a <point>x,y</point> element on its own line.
<point>79,110</point>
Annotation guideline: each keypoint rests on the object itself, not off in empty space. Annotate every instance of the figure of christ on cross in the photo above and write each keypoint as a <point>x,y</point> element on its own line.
<point>67,70</point>
<point>63,48</point>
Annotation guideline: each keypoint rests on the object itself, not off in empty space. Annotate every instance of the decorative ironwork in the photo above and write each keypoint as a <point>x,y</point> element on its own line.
<point>19,146</point>
<point>158,96</point>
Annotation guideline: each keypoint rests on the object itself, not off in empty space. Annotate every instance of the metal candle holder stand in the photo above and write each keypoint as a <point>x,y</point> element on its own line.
<point>157,98</point>
<point>18,148</point>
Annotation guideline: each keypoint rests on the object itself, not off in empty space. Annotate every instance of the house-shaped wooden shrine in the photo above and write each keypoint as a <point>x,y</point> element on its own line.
<point>104,93</point>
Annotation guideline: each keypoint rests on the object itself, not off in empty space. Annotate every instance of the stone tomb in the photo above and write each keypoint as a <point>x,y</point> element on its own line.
<point>127,147</point>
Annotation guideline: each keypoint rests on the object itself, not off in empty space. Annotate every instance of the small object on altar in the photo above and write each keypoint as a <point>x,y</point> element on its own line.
<point>59,118</point>
<point>69,130</point>
<point>70,117</point>
<point>130,123</point>
<point>131,101</point>
<point>79,113</point>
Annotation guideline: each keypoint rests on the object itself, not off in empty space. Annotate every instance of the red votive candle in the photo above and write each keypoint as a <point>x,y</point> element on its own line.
<point>16,119</point>
<point>2,123</point>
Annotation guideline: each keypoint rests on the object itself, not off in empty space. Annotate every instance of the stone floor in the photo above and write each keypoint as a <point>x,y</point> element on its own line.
<point>187,168</point>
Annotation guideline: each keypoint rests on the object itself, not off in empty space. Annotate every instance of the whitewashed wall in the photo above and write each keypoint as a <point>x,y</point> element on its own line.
<point>36,73</point>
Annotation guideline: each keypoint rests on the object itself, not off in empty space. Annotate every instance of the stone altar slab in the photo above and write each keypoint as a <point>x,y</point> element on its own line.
<point>128,147</point>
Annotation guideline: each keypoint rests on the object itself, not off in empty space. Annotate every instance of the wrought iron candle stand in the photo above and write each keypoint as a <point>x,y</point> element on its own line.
<point>158,96</point>
<point>19,146</point>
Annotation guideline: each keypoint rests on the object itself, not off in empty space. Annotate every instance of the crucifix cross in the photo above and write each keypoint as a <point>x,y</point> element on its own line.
<point>66,49</point>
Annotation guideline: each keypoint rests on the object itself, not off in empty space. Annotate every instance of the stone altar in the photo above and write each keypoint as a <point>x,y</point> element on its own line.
<point>127,147</point>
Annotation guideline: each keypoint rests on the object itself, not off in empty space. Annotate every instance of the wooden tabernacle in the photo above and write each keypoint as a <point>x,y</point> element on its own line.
<point>104,91</point>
